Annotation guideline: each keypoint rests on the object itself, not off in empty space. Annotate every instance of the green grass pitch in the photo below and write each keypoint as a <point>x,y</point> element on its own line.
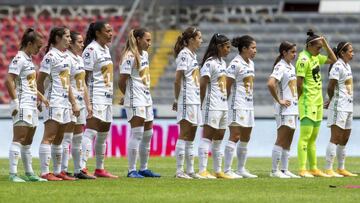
<point>169,189</point>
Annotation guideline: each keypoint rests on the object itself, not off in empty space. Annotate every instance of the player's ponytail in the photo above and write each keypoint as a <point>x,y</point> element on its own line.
<point>215,43</point>
<point>183,40</point>
<point>312,37</point>
<point>55,32</point>
<point>91,32</point>
<point>132,45</point>
<point>284,47</point>
<point>30,35</point>
<point>242,42</point>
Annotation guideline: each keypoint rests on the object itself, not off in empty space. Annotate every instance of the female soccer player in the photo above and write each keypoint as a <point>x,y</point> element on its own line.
<point>187,99</point>
<point>309,88</point>
<point>340,105</point>
<point>214,104</point>
<point>134,84</point>
<point>56,66</point>
<point>239,86</point>
<point>99,78</point>
<point>282,86</point>
<point>21,85</point>
<point>74,130</point>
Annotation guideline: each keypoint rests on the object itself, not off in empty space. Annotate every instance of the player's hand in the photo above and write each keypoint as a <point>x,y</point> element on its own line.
<point>89,110</point>
<point>174,106</point>
<point>76,110</point>
<point>285,103</point>
<point>14,107</point>
<point>326,104</point>
<point>121,101</point>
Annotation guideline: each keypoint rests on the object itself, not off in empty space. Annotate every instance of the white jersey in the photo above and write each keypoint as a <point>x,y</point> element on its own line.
<point>138,85</point>
<point>343,95</point>
<point>243,73</point>
<point>57,65</point>
<point>26,90</point>
<point>190,82</point>
<point>216,96</point>
<point>97,59</point>
<point>77,78</point>
<point>285,75</point>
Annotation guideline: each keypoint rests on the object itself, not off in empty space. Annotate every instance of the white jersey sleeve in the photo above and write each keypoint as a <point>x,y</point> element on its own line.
<point>127,64</point>
<point>89,57</point>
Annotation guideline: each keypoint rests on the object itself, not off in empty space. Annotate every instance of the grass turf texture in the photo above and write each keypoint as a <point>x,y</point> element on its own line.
<point>169,189</point>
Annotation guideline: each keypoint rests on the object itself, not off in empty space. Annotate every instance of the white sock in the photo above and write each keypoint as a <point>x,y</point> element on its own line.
<point>133,146</point>
<point>217,155</point>
<point>100,149</point>
<point>56,153</point>
<point>65,155</point>
<point>276,155</point>
<point>285,154</point>
<point>340,153</point>
<point>14,155</point>
<point>76,152</point>
<point>180,155</point>
<point>87,141</point>
<point>330,155</point>
<point>203,153</point>
<point>229,155</point>
<point>45,156</point>
<point>27,159</point>
<point>241,152</point>
<point>189,156</point>
<point>144,149</point>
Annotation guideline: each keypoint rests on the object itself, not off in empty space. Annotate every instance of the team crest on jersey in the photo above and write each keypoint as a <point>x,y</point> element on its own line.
<point>183,58</point>
<point>232,66</point>
<point>87,55</point>
<point>47,60</point>
<point>208,64</point>
<point>15,62</point>
<point>128,62</point>
<point>337,69</point>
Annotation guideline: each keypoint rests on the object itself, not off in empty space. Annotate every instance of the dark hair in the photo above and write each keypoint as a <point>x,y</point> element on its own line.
<point>342,46</point>
<point>183,40</point>
<point>213,49</point>
<point>241,42</point>
<point>55,32</point>
<point>74,35</point>
<point>284,46</point>
<point>91,32</point>
<point>312,37</point>
<point>30,35</point>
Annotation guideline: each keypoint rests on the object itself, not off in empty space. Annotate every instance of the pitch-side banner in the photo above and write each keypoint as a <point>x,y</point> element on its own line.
<point>166,132</point>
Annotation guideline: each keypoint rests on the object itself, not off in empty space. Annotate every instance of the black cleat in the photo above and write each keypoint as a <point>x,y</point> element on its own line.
<point>83,175</point>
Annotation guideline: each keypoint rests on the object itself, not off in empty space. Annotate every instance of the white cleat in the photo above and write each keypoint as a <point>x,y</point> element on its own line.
<point>195,176</point>
<point>291,175</point>
<point>278,174</point>
<point>182,175</point>
<point>233,175</point>
<point>246,174</point>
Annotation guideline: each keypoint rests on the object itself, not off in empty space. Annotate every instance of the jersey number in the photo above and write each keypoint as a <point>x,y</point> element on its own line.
<point>31,78</point>
<point>222,84</point>
<point>248,84</point>
<point>80,80</point>
<point>145,76</point>
<point>65,78</point>
<point>196,77</point>
<point>107,72</point>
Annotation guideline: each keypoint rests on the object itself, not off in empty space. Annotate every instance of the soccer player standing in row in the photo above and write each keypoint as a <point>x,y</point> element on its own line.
<point>74,130</point>
<point>134,84</point>
<point>309,86</point>
<point>340,105</point>
<point>21,85</point>
<point>214,104</point>
<point>239,86</point>
<point>187,99</point>
<point>99,78</point>
<point>282,86</point>
<point>56,66</point>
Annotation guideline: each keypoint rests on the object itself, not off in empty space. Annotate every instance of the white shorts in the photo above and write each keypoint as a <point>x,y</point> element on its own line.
<point>189,112</point>
<point>81,120</point>
<point>26,117</point>
<point>145,112</point>
<point>241,117</point>
<point>215,119</point>
<point>103,112</point>
<point>286,120</point>
<point>342,119</point>
<point>61,115</point>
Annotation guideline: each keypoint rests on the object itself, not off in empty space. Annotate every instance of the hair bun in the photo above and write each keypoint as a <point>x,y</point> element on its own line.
<point>310,33</point>
<point>235,42</point>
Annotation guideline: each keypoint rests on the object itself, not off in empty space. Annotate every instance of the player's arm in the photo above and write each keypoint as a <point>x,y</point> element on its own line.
<point>177,87</point>
<point>272,86</point>
<point>10,86</point>
<point>204,80</point>
<point>299,85</point>
<point>87,102</point>
<point>75,107</point>
<point>229,83</point>
<point>330,54</point>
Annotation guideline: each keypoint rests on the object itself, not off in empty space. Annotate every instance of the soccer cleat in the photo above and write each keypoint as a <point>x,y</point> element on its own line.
<point>69,174</point>
<point>288,173</point>
<point>16,179</point>
<point>246,174</point>
<point>104,174</point>
<point>148,173</point>
<point>318,173</point>
<point>332,173</point>
<point>182,175</point>
<point>206,175</point>
<point>345,173</point>
<point>305,174</point>
<point>233,175</point>
<point>195,176</point>
<point>134,174</point>
<point>33,178</point>
<point>63,176</point>
<point>222,175</point>
<point>50,177</point>
<point>278,174</point>
<point>83,175</point>
<point>86,172</point>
